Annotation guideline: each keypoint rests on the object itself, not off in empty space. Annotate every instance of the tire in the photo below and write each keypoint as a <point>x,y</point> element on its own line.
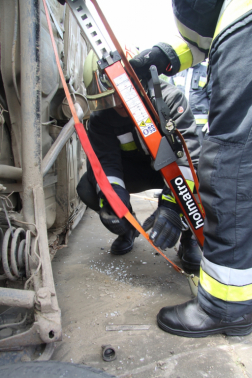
<point>50,369</point>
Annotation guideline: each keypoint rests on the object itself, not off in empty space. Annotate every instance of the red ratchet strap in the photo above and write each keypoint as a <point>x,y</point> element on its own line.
<point>115,202</point>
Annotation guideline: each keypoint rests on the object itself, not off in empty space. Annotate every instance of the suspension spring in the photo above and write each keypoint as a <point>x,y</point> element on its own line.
<point>14,253</point>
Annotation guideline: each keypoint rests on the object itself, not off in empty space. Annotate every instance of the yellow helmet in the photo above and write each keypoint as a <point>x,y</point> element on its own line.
<point>100,92</point>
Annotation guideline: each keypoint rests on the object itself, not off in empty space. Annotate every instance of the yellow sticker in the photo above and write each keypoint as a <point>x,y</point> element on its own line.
<point>148,120</point>
<point>142,124</point>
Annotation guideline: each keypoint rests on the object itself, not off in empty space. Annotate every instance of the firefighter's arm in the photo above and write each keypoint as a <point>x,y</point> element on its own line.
<point>182,115</point>
<point>107,148</point>
<point>169,58</point>
<point>179,54</point>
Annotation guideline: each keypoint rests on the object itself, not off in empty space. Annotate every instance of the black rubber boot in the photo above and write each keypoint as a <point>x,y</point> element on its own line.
<point>189,252</point>
<point>124,243</point>
<point>190,320</point>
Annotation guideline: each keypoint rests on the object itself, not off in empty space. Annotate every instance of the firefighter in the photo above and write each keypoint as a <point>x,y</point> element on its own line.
<point>127,163</point>
<point>218,29</point>
<point>193,83</point>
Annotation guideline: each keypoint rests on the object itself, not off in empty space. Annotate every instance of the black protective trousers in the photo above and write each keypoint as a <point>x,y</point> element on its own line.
<point>138,177</point>
<point>225,166</point>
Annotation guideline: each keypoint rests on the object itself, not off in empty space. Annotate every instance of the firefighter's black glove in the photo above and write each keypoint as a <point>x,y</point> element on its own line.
<point>148,223</point>
<point>142,62</point>
<point>165,222</point>
<point>110,220</point>
<point>62,2</point>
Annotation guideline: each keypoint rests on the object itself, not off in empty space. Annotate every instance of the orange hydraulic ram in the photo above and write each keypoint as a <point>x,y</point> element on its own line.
<point>152,139</point>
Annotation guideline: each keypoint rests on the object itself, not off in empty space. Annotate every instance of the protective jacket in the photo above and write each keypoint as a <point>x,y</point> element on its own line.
<point>123,156</point>
<point>193,83</point>
<point>221,29</point>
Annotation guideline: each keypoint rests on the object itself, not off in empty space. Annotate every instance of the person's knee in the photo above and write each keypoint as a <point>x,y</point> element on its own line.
<point>87,193</point>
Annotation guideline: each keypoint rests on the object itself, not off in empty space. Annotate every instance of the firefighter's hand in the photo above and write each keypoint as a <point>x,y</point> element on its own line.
<point>166,228</point>
<point>165,221</point>
<point>148,223</point>
<point>110,220</point>
<point>142,62</point>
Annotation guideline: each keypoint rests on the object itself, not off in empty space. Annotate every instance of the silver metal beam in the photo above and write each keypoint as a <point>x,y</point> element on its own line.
<point>17,298</point>
<point>10,172</point>
<point>33,194</point>
<point>30,103</point>
<point>61,140</point>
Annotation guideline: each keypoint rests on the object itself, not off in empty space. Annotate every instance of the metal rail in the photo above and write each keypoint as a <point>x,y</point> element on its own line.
<point>100,43</point>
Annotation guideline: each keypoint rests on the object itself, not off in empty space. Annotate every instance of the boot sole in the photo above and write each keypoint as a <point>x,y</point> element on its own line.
<point>237,330</point>
<point>122,252</point>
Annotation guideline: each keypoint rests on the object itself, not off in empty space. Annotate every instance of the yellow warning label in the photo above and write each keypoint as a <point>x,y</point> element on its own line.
<point>142,124</point>
<point>148,120</point>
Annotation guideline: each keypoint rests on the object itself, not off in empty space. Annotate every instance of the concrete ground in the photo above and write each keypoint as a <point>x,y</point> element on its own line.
<point>97,290</point>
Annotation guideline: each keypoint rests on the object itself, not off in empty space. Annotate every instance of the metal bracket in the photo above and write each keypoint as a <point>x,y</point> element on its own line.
<point>44,299</point>
<point>108,59</point>
<point>165,155</point>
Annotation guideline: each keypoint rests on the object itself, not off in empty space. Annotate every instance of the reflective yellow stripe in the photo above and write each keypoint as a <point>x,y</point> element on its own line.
<point>171,198</point>
<point>201,121</point>
<point>234,10</point>
<point>128,146</point>
<point>184,55</point>
<point>168,198</point>
<point>225,292</point>
<point>202,83</point>
<point>190,184</point>
<point>200,206</point>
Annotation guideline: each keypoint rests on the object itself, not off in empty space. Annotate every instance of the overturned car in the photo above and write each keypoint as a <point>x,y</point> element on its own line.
<point>41,162</point>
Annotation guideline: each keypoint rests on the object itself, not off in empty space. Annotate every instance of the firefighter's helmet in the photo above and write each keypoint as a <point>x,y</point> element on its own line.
<point>100,92</point>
